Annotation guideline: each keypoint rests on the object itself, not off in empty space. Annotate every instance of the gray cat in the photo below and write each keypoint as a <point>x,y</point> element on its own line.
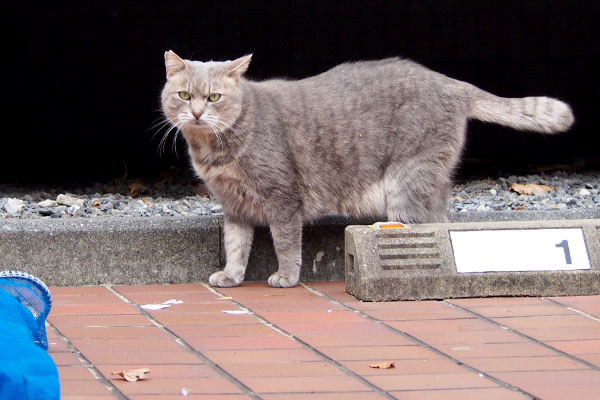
<point>362,139</point>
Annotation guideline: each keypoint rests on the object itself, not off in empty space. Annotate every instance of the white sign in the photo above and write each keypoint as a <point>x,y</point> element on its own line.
<point>519,250</point>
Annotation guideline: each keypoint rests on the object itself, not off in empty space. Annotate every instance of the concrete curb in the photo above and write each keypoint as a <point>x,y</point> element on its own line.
<point>66,252</point>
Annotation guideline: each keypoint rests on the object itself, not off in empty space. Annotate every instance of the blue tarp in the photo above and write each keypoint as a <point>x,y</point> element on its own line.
<point>27,372</point>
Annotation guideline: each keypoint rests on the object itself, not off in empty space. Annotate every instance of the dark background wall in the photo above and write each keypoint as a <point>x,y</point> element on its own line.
<point>82,78</point>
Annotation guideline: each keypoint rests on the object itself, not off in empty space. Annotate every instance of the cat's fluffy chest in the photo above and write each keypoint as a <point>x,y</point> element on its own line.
<point>228,184</point>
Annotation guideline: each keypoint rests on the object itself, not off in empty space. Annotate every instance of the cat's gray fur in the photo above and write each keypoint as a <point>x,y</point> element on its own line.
<point>363,139</point>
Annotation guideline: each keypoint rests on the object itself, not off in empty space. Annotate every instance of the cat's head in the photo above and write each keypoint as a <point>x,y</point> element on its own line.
<point>203,97</point>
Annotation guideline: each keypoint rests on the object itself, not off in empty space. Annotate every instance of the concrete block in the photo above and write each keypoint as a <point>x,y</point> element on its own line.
<point>112,250</point>
<point>418,263</point>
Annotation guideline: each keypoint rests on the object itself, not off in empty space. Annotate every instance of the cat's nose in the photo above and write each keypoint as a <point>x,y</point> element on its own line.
<point>197,115</point>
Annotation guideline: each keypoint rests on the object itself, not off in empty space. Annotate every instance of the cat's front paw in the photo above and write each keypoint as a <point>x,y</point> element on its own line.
<point>223,279</point>
<point>282,281</point>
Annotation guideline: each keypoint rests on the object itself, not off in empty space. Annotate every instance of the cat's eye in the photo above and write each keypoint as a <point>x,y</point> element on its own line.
<point>184,95</point>
<point>214,97</point>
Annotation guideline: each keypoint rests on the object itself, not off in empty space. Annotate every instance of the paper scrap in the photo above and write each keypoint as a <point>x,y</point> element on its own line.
<point>235,312</point>
<point>160,306</point>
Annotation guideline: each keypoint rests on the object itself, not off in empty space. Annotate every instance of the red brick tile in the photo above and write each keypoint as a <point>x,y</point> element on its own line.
<point>171,371</point>
<point>433,311</point>
<point>496,301</point>
<point>558,321</point>
<point>91,309</point>
<point>464,350</point>
<point>570,333</point>
<point>381,353</point>
<point>162,289</point>
<point>190,396</point>
<point>127,345</point>
<point>61,321</point>
<point>260,288</point>
<point>437,325</point>
<point>113,332</point>
<point>334,328</point>
<point>276,341</point>
<point>556,384</point>
<point>291,304</point>
<point>332,316</point>
<point>222,330</point>
<point>141,358</point>
<point>82,387</point>
<point>437,335</point>
<point>174,386</point>
<point>357,339</point>
<point>547,363</point>
<point>293,384</point>
<point>460,380</point>
<point>74,372</point>
<point>108,298</point>
<point>278,369</point>
<point>241,356</point>
<point>79,291</point>
<point>192,308</point>
<point>325,396</point>
<point>55,344</point>
<point>461,394</point>
<point>591,358</point>
<point>542,309</point>
<point>64,358</point>
<point>187,298</point>
<point>577,347</point>
<point>205,318</point>
<point>405,367</point>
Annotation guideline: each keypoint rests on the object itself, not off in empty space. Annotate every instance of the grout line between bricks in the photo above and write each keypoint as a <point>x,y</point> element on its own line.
<point>181,342</point>
<point>558,303</point>
<point>307,346</point>
<point>525,336</point>
<point>85,362</point>
<point>425,345</point>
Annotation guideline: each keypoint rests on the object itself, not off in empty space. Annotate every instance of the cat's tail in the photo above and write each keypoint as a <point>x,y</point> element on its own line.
<point>537,114</point>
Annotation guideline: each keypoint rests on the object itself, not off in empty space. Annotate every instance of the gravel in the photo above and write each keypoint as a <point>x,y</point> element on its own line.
<point>171,196</point>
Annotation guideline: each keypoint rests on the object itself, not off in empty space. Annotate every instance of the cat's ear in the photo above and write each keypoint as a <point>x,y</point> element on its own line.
<point>237,68</point>
<point>173,63</point>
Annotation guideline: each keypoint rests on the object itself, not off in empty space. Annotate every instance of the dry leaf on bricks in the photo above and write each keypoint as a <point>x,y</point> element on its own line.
<point>383,365</point>
<point>530,188</point>
<point>133,375</point>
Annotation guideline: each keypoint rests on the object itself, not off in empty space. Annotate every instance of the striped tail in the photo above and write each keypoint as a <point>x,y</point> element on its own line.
<point>537,114</point>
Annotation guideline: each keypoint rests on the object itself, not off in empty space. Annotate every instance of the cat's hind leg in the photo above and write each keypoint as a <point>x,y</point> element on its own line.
<point>417,191</point>
<point>238,243</point>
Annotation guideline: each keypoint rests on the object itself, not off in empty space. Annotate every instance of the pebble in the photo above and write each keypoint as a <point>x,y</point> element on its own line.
<point>169,199</point>
<point>14,206</point>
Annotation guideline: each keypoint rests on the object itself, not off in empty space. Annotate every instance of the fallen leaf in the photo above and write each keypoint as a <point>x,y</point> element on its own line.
<point>383,365</point>
<point>225,298</point>
<point>132,375</point>
<point>136,188</point>
<point>530,188</point>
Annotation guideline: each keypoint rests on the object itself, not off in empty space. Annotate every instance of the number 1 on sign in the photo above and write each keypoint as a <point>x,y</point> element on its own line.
<point>565,246</point>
